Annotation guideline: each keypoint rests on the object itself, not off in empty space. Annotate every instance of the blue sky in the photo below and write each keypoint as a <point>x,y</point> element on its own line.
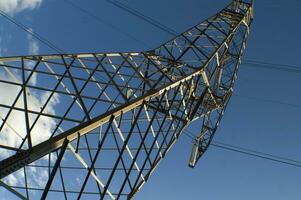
<point>260,125</point>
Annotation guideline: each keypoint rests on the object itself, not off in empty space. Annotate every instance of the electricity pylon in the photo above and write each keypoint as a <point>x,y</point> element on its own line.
<point>98,124</point>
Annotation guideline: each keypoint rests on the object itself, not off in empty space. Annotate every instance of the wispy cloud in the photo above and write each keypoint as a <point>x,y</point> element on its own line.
<point>33,49</point>
<point>15,127</point>
<point>14,6</point>
<point>33,45</point>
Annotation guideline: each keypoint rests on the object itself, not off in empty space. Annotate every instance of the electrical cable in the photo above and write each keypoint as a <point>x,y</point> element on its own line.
<point>143,17</point>
<point>257,152</point>
<point>102,21</point>
<point>250,152</point>
<point>267,100</point>
<point>256,155</point>
<point>272,64</point>
<point>31,32</point>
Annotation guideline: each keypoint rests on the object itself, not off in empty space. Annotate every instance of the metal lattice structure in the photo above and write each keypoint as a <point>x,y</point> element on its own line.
<point>98,124</point>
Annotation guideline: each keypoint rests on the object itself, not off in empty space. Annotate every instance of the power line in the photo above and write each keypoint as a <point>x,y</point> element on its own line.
<point>268,101</point>
<point>102,21</point>
<point>272,66</point>
<point>257,152</point>
<point>31,32</point>
<point>191,135</point>
<point>256,155</point>
<point>250,152</point>
<point>252,65</point>
<point>143,17</point>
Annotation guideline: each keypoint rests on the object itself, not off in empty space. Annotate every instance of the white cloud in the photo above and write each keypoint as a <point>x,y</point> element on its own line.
<point>14,6</point>
<point>15,128</point>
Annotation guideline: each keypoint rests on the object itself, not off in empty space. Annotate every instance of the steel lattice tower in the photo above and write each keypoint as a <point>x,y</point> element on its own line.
<point>98,124</point>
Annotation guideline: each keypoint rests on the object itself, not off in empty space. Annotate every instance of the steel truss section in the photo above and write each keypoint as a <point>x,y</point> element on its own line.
<point>98,124</point>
